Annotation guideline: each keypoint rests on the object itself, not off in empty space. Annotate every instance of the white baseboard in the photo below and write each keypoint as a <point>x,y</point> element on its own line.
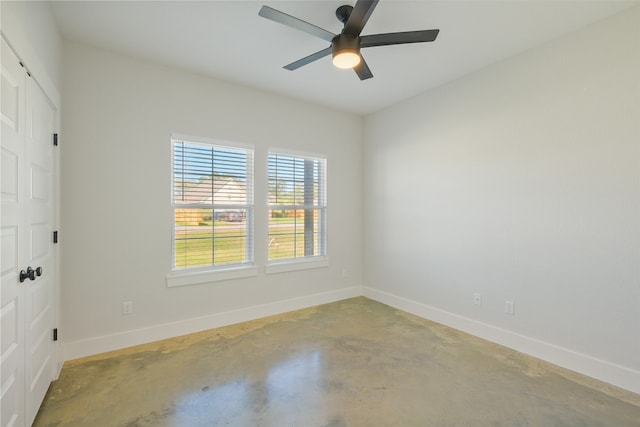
<point>101,344</point>
<point>608,372</point>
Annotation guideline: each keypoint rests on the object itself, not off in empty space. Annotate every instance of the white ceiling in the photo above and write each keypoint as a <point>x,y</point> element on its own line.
<point>228,40</point>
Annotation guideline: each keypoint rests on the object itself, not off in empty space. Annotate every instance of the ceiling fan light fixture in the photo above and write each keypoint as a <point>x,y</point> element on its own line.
<point>346,59</point>
<point>345,49</point>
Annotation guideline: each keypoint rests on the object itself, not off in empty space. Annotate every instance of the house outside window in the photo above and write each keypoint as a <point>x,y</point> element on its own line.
<point>212,201</point>
<point>297,207</point>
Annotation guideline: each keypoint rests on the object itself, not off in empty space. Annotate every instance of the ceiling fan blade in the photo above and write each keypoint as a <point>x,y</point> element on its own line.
<point>362,70</point>
<point>398,38</point>
<point>293,22</point>
<point>359,17</point>
<point>308,59</point>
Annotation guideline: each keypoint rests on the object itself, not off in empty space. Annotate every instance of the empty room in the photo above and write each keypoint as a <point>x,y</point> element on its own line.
<point>320,213</point>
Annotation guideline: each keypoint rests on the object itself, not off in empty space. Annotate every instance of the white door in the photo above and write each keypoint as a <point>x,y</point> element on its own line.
<point>13,235</point>
<point>39,292</point>
<point>27,227</point>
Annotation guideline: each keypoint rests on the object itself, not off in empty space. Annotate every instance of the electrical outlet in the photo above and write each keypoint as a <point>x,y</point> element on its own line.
<point>127,307</point>
<point>345,273</point>
<point>477,299</point>
<point>509,308</point>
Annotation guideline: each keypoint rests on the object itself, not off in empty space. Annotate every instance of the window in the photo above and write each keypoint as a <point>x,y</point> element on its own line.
<point>212,205</point>
<point>297,207</point>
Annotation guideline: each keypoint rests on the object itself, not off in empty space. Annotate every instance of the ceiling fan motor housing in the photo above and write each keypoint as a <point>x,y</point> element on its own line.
<point>345,42</point>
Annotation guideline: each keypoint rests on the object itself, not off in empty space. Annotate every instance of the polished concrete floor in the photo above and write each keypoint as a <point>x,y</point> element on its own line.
<point>350,363</point>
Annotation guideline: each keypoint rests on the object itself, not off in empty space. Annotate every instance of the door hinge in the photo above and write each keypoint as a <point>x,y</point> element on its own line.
<point>55,334</point>
<point>55,139</point>
<point>55,237</point>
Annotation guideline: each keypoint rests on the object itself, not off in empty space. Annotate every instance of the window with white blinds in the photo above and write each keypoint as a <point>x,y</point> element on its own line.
<point>297,206</point>
<point>212,204</point>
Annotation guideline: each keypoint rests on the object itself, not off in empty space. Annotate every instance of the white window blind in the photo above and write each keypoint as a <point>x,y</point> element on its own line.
<point>297,206</point>
<point>212,204</point>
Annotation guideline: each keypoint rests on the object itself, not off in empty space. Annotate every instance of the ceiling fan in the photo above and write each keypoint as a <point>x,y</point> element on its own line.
<point>345,47</point>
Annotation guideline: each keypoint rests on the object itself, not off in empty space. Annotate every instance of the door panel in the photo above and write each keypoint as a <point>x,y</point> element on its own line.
<point>39,301</point>
<point>9,251</point>
<point>13,234</point>
<point>9,174</point>
<point>40,240</point>
<point>40,180</point>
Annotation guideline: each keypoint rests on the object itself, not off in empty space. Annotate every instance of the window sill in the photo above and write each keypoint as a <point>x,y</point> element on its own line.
<point>184,278</point>
<point>304,264</point>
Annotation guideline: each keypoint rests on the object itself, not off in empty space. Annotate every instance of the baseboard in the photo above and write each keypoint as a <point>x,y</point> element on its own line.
<point>101,344</point>
<point>608,372</point>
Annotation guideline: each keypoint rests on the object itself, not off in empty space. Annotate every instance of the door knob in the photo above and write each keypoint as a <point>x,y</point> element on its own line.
<point>30,273</point>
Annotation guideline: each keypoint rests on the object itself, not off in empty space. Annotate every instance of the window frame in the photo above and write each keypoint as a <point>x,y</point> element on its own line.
<point>280,265</point>
<point>212,272</point>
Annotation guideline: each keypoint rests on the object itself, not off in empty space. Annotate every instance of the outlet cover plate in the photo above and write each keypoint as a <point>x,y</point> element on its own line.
<point>509,308</point>
<point>477,299</point>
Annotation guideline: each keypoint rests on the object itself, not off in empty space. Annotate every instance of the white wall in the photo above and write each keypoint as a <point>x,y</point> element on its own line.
<point>520,182</point>
<point>118,116</point>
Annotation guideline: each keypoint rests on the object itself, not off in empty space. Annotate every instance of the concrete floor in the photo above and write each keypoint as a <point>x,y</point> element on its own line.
<point>350,363</point>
